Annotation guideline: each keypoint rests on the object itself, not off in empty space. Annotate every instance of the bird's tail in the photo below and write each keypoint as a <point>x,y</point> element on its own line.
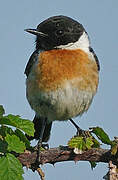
<point>38,123</point>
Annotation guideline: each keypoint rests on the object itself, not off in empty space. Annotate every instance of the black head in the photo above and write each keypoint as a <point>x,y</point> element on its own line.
<point>56,31</point>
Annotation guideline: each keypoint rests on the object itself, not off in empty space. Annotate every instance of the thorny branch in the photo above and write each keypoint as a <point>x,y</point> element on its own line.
<point>64,153</point>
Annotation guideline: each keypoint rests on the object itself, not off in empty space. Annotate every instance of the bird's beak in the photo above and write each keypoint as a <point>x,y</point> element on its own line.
<point>36,32</point>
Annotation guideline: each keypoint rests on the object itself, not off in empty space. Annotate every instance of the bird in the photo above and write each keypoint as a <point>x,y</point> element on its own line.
<point>62,73</point>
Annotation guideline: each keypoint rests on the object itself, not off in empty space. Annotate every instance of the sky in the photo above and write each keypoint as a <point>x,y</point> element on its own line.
<point>99,18</point>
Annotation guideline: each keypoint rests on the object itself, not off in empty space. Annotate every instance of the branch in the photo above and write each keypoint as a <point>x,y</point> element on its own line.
<point>64,153</point>
<point>112,173</point>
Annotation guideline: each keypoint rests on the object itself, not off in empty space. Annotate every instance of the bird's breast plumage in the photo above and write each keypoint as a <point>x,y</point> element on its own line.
<point>57,66</point>
<point>62,83</point>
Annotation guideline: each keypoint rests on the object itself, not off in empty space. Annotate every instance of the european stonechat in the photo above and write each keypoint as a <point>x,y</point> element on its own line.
<point>62,73</point>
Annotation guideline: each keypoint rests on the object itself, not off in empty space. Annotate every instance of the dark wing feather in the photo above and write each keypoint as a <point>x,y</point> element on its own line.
<point>96,58</point>
<point>30,63</point>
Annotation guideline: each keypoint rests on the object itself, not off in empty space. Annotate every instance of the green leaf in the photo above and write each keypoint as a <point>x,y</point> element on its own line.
<point>22,137</point>
<point>93,164</point>
<point>96,143</point>
<point>2,111</point>
<point>114,148</point>
<point>10,168</point>
<point>77,142</point>
<point>99,132</point>
<point>3,146</point>
<point>23,124</point>
<point>89,142</point>
<point>4,130</point>
<point>14,144</point>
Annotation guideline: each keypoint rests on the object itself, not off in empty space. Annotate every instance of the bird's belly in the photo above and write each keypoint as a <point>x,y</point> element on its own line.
<point>60,104</point>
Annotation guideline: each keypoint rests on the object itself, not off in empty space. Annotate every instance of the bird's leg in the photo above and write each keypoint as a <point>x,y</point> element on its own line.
<point>40,138</point>
<point>79,130</point>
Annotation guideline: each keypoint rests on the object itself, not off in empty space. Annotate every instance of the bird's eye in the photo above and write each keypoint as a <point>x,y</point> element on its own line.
<point>59,32</point>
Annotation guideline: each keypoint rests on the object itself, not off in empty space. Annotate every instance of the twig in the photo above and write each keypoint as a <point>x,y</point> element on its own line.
<point>41,173</point>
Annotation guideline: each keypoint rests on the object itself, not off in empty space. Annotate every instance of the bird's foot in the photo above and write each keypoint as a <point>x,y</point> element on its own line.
<point>40,147</point>
<point>80,132</point>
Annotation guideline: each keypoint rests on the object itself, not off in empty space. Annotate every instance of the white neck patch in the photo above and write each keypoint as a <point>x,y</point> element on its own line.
<point>83,43</point>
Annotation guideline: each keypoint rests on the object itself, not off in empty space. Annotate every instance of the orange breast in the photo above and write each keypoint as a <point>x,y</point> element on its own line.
<point>57,66</point>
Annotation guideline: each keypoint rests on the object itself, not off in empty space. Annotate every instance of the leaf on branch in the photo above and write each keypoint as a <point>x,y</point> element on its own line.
<point>14,144</point>
<point>89,142</point>
<point>2,111</point>
<point>3,146</point>
<point>23,124</point>
<point>114,148</point>
<point>99,132</point>
<point>96,143</point>
<point>82,143</point>
<point>22,137</point>
<point>4,130</point>
<point>77,142</point>
<point>10,168</point>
